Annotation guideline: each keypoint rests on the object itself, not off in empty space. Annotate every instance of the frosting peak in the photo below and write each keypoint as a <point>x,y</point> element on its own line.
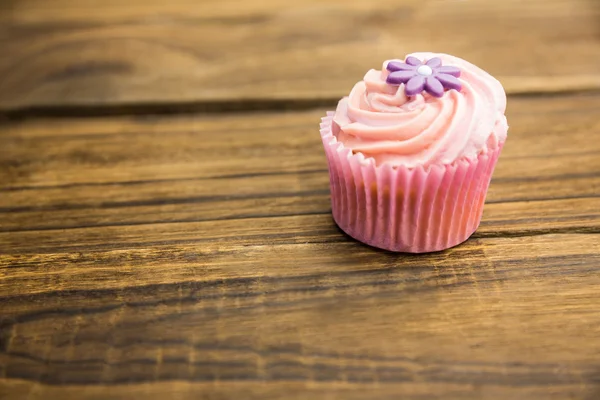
<point>427,125</point>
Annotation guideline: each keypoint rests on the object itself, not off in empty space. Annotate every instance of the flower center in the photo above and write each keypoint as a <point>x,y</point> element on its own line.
<point>424,70</point>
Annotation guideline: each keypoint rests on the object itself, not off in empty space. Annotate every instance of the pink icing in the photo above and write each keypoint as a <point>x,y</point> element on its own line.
<point>380,121</point>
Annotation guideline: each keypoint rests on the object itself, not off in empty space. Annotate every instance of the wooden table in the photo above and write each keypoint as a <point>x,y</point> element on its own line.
<point>165,227</point>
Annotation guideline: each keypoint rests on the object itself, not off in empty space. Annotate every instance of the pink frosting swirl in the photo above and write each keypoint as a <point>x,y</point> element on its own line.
<point>378,120</point>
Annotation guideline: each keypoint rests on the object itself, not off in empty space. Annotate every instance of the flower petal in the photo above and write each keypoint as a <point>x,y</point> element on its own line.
<point>448,81</point>
<point>398,77</point>
<point>435,62</point>
<point>415,85</point>
<point>410,60</point>
<point>454,71</point>
<point>399,66</point>
<point>434,87</point>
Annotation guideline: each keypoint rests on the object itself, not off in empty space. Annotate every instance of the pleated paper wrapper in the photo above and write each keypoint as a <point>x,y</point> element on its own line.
<point>412,210</point>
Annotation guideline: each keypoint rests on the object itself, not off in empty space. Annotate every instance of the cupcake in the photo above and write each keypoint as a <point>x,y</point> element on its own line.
<point>411,152</point>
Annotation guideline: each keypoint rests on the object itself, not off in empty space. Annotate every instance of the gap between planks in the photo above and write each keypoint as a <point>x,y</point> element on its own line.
<point>240,106</point>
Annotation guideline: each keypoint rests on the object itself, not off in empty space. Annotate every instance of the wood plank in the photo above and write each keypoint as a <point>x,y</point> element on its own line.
<point>232,250</point>
<point>112,172</point>
<point>93,52</point>
<point>297,391</point>
<point>477,321</point>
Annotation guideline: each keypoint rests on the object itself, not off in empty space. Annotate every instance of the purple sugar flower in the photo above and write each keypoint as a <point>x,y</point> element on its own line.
<point>418,76</point>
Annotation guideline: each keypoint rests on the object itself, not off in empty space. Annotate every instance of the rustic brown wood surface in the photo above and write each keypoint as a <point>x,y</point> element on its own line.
<point>165,227</point>
<point>94,52</point>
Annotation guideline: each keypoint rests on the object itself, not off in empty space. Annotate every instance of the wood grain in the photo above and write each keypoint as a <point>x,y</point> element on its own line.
<point>165,227</point>
<point>153,53</point>
<point>62,174</point>
<point>195,257</point>
<point>469,321</point>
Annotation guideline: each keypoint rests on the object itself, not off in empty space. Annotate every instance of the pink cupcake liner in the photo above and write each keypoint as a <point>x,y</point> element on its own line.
<point>412,210</point>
